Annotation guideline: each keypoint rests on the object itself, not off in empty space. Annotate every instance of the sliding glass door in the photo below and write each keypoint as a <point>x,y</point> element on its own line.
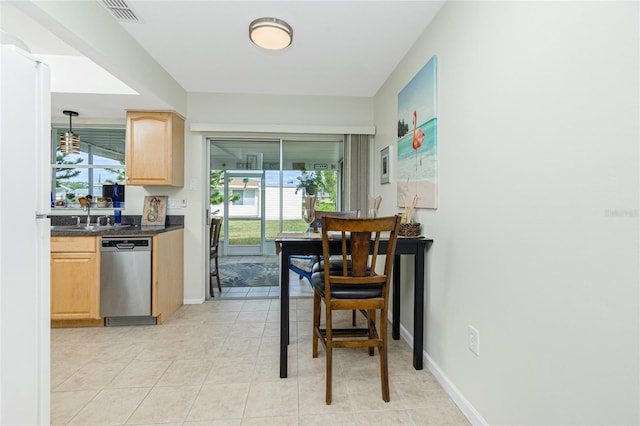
<point>254,187</point>
<point>241,177</point>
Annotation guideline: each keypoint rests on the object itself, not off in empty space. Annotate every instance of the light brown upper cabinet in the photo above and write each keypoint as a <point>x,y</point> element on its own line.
<point>155,148</point>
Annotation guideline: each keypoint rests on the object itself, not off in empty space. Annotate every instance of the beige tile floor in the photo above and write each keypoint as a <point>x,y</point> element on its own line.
<point>217,364</point>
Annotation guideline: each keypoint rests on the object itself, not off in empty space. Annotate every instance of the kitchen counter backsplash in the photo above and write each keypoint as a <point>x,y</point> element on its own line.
<point>132,220</point>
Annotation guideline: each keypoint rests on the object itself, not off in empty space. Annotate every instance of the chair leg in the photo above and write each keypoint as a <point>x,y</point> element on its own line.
<point>371,319</point>
<point>329,346</point>
<point>384,364</point>
<point>384,374</point>
<point>218,275</point>
<point>316,323</point>
<point>210,280</point>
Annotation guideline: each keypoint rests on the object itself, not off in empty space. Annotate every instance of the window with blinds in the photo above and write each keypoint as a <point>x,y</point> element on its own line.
<point>99,164</point>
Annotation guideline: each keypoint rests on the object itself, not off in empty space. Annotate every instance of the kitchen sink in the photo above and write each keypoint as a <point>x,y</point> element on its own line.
<point>85,228</point>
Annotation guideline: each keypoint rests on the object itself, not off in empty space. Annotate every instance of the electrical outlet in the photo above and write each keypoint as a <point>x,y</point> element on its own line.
<point>177,203</point>
<point>474,340</point>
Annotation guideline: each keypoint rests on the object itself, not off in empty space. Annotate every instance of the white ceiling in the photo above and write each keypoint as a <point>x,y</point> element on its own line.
<point>340,48</point>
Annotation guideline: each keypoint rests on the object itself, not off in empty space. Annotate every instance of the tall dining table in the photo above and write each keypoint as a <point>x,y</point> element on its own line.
<point>288,244</point>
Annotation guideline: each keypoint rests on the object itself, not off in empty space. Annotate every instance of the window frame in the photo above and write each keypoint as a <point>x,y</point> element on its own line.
<point>89,154</point>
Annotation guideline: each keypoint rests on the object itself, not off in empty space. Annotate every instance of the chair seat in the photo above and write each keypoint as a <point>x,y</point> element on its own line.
<point>346,291</point>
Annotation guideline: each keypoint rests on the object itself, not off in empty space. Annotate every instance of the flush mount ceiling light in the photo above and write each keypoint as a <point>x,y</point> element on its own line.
<point>270,33</point>
<point>69,141</point>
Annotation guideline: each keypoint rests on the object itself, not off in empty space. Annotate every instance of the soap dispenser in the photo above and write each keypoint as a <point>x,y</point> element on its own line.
<point>117,213</point>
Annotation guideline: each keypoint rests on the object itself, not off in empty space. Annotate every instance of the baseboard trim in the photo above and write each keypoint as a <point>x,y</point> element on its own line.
<point>193,301</point>
<point>454,393</point>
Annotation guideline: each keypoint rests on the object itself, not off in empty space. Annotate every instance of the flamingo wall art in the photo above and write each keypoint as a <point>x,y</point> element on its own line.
<point>417,139</point>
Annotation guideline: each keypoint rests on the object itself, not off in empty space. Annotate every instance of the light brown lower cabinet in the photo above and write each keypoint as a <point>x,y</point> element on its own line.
<point>75,279</point>
<point>167,274</point>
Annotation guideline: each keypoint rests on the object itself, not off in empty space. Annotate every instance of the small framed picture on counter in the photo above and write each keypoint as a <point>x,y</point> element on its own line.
<point>155,210</point>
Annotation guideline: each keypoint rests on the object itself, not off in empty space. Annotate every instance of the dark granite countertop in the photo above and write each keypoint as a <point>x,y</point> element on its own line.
<point>130,227</point>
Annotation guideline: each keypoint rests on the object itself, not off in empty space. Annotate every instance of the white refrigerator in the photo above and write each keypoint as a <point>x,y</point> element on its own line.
<point>25,202</point>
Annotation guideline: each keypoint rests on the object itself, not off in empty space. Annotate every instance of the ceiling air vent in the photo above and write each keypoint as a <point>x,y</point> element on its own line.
<point>120,10</point>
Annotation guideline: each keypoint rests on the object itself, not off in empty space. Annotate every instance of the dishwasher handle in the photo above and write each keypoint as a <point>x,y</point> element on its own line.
<point>125,246</point>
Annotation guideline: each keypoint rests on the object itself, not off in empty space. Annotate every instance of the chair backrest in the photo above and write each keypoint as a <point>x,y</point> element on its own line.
<point>359,241</point>
<point>214,232</point>
<point>320,214</point>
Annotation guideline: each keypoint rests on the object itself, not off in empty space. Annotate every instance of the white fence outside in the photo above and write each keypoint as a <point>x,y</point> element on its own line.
<point>291,207</point>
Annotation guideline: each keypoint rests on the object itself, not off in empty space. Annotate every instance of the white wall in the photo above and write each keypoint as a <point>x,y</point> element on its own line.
<point>536,234</point>
<point>252,110</point>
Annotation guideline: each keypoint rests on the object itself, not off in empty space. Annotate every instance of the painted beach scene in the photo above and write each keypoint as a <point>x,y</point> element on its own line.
<point>417,153</point>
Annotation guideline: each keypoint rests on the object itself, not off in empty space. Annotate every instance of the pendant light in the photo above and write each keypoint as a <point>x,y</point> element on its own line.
<point>69,141</point>
<point>270,33</point>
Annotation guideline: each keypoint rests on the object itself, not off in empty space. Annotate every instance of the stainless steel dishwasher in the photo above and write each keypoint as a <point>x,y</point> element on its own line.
<point>125,281</point>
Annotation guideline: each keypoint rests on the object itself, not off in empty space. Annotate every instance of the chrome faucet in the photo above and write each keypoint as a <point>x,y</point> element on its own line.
<point>87,204</point>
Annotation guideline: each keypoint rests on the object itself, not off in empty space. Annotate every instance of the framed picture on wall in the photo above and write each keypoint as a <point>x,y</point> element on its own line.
<point>385,166</point>
<point>155,210</point>
<point>416,160</point>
